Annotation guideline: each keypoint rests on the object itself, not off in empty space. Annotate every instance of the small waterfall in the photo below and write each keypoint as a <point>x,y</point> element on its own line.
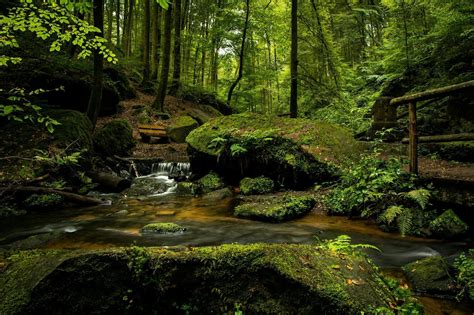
<point>171,168</point>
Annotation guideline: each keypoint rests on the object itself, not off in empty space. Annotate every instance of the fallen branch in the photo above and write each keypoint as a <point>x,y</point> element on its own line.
<point>75,198</point>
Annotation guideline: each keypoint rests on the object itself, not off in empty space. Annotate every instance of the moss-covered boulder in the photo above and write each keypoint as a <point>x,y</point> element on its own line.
<point>257,279</point>
<point>115,138</point>
<point>448,226</point>
<point>163,228</point>
<point>187,189</point>
<point>294,152</point>
<point>275,208</point>
<point>431,275</point>
<point>209,183</point>
<point>74,131</point>
<point>256,186</point>
<point>180,127</point>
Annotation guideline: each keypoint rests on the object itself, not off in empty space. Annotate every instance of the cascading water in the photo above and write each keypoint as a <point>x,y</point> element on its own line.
<point>162,180</point>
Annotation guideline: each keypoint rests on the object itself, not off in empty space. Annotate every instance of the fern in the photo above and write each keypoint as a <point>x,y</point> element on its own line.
<point>420,196</point>
<point>343,244</point>
<point>405,222</point>
<point>391,214</point>
<point>237,150</point>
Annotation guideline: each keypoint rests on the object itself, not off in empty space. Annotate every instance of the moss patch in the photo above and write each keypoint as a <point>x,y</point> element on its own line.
<point>75,127</point>
<point>43,201</point>
<point>256,186</point>
<point>163,228</point>
<point>260,278</point>
<point>448,225</point>
<point>115,138</point>
<point>276,209</point>
<point>209,183</point>
<point>180,127</point>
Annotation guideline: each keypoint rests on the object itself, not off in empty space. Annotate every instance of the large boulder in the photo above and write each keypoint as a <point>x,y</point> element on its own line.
<point>448,226</point>
<point>180,127</point>
<point>115,138</point>
<point>292,152</point>
<point>74,131</point>
<point>258,279</point>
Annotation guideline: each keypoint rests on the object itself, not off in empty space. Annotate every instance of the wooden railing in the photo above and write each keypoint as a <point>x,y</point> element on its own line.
<point>413,139</point>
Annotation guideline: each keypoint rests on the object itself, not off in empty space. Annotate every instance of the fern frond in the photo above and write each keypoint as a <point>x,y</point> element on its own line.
<point>405,221</point>
<point>391,214</point>
<point>420,196</point>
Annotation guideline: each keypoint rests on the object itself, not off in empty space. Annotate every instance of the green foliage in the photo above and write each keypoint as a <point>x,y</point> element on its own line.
<point>420,196</point>
<point>464,266</point>
<point>256,186</point>
<point>209,183</point>
<point>343,244</point>
<point>448,225</point>
<point>43,201</point>
<point>405,303</point>
<point>58,159</point>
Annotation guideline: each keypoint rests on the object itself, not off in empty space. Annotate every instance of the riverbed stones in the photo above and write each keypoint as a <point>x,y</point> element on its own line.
<point>275,208</point>
<point>293,152</point>
<point>180,127</point>
<point>261,278</point>
<point>163,228</point>
<point>448,226</point>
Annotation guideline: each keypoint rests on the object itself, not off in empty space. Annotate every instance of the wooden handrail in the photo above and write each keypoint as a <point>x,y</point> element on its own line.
<point>443,138</point>
<point>422,96</point>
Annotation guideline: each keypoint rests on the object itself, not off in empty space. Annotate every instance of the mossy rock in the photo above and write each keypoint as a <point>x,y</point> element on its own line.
<point>448,226</point>
<point>115,138</point>
<point>43,202</point>
<point>256,186</point>
<point>261,278</point>
<point>187,189</point>
<point>163,228</point>
<point>276,209</point>
<point>294,152</point>
<point>209,183</point>
<point>430,275</point>
<point>180,127</point>
<point>75,128</point>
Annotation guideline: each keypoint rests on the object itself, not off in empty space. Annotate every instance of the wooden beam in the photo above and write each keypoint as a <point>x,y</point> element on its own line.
<point>443,138</point>
<point>432,93</point>
<point>413,138</point>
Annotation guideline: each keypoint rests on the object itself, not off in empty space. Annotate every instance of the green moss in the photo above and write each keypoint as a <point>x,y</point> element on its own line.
<point>74,127</point>
<point>43,201</point>
<point>256,186</point>
<point>163,228</point>
<point>187,188</point>
<point>448,225</point>
<point>210,182</point>
<point>180,127</point>
<point>277,209</point>
<point>115,138</point>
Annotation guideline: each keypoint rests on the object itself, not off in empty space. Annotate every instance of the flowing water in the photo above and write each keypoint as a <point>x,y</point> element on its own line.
<point>208,221</point>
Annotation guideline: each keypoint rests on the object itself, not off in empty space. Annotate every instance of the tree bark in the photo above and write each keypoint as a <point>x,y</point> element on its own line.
<point>242,51</point>
<point>155,39</point>
<point>294,60</point>
<point>146,44</point>
<point>95,99</point>
<point>117,20</point>
<point>165,64</point>
<point>177,48</point>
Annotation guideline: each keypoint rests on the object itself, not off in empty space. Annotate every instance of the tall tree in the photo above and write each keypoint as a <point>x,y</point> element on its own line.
<point>177,48</point>
<point>95,99</point>
<point>165,64</point>
<point>294,60</point>
<point>155,39</point>
<point>242,51</point>
<point>146,43</point>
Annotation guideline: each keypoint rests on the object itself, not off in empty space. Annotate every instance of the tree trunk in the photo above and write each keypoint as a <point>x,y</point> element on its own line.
<point>146,44</point>
<point>242,51</point>
<point>177,48</point>
<point>294,60</point>
<point>155,39</point>
<point>117,20</point>
<point>158,104</point>
<point>95,99</point>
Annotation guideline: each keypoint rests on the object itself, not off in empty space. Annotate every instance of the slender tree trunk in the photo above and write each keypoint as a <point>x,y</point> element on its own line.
<point>177,48</point>
<point>128,30</point>
<point>125,26</point>
<point>242,51</point>
<point>117,20</point>
<point>155,39</point>
<point>110,11</point>
<point>294,60</point>
<point>95,99</point>
<point>158,104</point>
<point>146,44</point>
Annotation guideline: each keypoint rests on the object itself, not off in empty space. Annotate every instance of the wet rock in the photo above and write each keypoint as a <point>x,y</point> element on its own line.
<point>263,279</point>
<point>256,186</point>
<point>36,241</point>
<point>180,127</point>
<point>163,228</point>
<point>219,194</point>
<point>115,138</point>
<point>294,152</point>
<point>187,189</point>
<point>209,183</point>
<point>448,226</point>
<point>146,186</point>
<point>275,208</point>
<point>166,213</point>
<point>431,276</point>
<point>121,213</point>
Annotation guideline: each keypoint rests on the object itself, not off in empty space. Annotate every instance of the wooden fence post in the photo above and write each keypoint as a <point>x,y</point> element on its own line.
<point>413,138</point>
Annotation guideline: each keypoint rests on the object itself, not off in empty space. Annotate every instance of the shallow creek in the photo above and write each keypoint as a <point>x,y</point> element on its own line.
<point>208,222</point>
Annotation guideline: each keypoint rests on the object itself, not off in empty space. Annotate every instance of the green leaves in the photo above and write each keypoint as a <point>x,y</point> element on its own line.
<point>163,3</point>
